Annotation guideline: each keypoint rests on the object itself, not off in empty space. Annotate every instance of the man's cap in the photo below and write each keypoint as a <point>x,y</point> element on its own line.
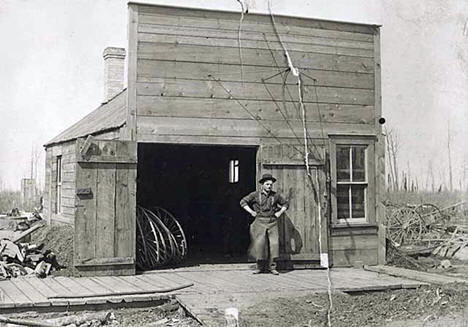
<point>266,177</point>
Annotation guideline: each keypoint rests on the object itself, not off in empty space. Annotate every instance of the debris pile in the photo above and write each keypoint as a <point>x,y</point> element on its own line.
<point>20,258</point>
<point>160,239</point>
<point>87,319</point>
<point>424,230</point>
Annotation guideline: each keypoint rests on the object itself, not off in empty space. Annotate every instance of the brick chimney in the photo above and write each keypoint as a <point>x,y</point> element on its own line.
<point>114,65</point>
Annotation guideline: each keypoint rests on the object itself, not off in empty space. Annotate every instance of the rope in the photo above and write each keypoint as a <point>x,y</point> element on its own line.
<point>295,71</point>
<point>284,88</point>
<point>239,31</point>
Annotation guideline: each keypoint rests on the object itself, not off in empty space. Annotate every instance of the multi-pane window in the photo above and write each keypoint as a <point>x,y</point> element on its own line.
<point>352,167</point>
<point>58,202</point>
<point>351,181</point>
<point>233,171</point>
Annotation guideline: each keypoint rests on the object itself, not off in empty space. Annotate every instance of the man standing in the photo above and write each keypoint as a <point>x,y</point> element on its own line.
<point>266,206</point>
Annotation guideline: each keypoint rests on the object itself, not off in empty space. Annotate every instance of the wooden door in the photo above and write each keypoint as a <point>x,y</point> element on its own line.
<point>304,226</point>
<point>104,242</point>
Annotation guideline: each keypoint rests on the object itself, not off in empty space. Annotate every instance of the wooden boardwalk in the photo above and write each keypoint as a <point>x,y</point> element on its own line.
<point>215,288</point>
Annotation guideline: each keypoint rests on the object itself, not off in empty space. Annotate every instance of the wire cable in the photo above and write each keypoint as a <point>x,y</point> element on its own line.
<point>255,118</point>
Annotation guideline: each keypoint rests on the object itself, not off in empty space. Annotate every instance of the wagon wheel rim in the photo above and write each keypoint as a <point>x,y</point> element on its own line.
<point>428,210</point>
<point>405,225</point>
<point>174,227</point>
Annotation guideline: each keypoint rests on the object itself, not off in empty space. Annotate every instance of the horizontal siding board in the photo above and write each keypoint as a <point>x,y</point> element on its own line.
<point>158,106</point>
<point>346,258</point>
<point>354,242</point>
<point>253,91</point>
<point>229,38</point>
<point>236,128</point>
<point>217,140</point>
<point>230,20</point>
<point>253,57</point>
<point>148,70</point>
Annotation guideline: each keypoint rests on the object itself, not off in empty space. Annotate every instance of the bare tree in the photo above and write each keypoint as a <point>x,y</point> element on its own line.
<point>392,155</point>
<point>449,157</point>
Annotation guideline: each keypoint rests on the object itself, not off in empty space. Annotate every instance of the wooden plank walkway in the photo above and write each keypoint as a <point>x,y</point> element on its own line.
<point>215,288</point>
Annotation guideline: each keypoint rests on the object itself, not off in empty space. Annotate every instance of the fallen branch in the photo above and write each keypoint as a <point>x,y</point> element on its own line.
<point>78,320</point>
<point>22,322</point>
<point>161,290</point>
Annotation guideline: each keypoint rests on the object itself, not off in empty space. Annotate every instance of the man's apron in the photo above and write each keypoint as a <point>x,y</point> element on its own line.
<point>264,235</point>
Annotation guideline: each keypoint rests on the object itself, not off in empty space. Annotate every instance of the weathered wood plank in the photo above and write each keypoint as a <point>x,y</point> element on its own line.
<point>129,131</point>
<point>73,286</point>
<point>105,211</point>
<point>416,275</point>
<point>157,106</point>
<point>19,298</point>
<point>105,151</point>
<point>253,91</point>
<point>354,242</point>
<point>85,219</point>
<point>238,128</point>
<point>347,257</point>
<point>253,40</point>
<point>125,201</point>
<point>254,57</point>
<point>215,18</point>
<point>166,279</point>
<point>36,297</point>
<point>37,284</point>
<point>154,69</point>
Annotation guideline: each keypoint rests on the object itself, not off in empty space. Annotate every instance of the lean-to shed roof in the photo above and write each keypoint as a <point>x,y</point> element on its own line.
<point>109,116</point>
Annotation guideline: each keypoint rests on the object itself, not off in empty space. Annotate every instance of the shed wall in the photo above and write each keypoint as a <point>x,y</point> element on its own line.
<point>192,80</point>
<point>68,152</point>
<point>67,214</point>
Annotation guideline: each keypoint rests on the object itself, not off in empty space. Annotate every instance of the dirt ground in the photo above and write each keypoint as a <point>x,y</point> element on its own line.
<point>169,314</point>
<point>427,303</point>
<point>58,239</point>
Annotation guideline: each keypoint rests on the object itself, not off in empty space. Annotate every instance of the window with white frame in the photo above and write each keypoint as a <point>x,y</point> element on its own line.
<point>58,202</point>
<point>353,180</point>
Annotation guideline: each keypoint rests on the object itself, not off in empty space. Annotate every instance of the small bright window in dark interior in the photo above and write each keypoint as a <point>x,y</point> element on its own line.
<point>233,171</point>
<point>351,180</point>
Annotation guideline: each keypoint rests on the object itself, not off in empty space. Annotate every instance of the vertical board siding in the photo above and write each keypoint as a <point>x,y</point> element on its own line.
<point>300,224</point>
<point>105,218</point>
<point>186,65</point>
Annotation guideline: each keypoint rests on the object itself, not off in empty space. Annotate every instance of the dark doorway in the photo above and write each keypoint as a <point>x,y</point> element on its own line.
<point>201,186</point>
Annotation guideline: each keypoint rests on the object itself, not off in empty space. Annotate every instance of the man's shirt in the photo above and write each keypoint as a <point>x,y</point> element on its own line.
<point>265,205</point>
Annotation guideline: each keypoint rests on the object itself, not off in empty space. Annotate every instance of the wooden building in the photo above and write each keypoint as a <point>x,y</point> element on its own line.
<point>207,110</point>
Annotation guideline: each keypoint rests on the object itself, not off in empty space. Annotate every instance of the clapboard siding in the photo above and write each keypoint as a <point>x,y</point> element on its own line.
<point>207,18</point>
<point>347,249</point>
<point>219,55</point>
<point>151,70</point>
<point>187,107</point>
<point>239,128</point>
<point>192,80</point>
<point>67,151</point>
<point>253,91</point>
<point>252,40</point>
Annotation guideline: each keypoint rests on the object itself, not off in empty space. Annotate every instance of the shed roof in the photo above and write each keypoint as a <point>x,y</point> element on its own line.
<point>108,116</point>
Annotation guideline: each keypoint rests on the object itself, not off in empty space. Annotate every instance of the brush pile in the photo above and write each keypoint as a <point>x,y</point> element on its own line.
<point>160,239</point>
<point>425,229</point>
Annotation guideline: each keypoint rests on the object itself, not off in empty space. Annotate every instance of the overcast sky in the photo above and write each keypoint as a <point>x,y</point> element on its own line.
<point>51,70</point>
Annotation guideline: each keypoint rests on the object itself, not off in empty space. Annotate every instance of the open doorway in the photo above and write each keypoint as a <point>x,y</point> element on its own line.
<point>201,186</point>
